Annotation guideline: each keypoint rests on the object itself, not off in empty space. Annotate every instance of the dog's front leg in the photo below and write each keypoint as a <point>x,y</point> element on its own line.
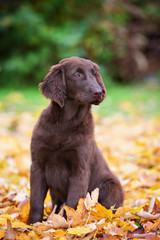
<point>78,187</point>
<point>39,190</point>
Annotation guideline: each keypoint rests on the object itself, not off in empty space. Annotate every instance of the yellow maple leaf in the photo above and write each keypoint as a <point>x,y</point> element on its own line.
<point>98,212</point>
<point>17,224</point>
<point>79,230</point>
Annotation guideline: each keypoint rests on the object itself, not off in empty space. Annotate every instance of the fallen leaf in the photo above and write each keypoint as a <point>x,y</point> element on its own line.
<point>147,215</point>
<point>137,232</point>
<point>17,224</point>
<point>78,216</point>
<point>98,212</point>
<point>79,231</point>
<point>92,199</point>
<point>6,216</point>
<point>10,233</point>
<point>2,233</point>
<point>59,233</point>
<point>25,212</point>
<point>33,235</point>
<point>132,150</point>
<point>59,221</point>
<point>150,226</point>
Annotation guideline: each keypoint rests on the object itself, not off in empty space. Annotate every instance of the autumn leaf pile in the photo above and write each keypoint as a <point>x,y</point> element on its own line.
<point>130,145</point>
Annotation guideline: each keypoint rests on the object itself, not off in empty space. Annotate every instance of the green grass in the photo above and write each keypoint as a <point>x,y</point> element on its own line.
<point>134,99</point>
<point>128,100</point>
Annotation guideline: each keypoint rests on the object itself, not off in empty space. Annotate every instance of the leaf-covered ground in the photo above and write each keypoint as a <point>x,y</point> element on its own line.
<point>130,145</point>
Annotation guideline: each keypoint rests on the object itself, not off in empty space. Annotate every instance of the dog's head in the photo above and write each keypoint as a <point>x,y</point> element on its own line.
<point>74,78</point>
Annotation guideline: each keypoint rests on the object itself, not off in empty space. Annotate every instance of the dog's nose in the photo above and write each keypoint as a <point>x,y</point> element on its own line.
<point>98,92</point>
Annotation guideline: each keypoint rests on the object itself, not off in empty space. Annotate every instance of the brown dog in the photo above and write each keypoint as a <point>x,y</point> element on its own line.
<point>65,157</point>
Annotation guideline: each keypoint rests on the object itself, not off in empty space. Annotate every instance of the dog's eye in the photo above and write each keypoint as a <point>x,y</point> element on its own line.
<point>77,75</point>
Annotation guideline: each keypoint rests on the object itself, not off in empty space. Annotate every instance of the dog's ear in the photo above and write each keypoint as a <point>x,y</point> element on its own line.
<point>54,86</point>
<point>99,78</point>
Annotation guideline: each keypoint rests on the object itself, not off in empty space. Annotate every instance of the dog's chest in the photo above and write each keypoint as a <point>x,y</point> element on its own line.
<point>57,177</point>
<point>63,137</point>
<point>59,167</point>
<point>58,140</point>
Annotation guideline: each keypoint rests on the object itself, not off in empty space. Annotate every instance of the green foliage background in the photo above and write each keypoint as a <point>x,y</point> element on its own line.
<point>37,34</point>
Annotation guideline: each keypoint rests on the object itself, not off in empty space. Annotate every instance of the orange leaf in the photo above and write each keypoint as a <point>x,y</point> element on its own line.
<point>78,216</point>
<point>149,226</point>
<point>25,212</point>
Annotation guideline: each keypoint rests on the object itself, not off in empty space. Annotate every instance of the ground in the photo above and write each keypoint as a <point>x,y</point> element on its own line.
<point>129,138</point>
